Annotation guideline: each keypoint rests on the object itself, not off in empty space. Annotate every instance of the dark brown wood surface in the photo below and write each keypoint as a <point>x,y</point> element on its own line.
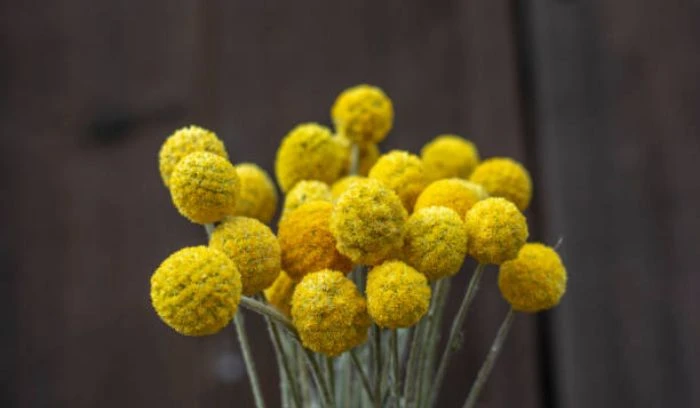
<point>600,100</point>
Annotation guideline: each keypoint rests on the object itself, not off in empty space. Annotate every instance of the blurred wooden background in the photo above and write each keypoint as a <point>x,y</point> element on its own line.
<point>600,99</point>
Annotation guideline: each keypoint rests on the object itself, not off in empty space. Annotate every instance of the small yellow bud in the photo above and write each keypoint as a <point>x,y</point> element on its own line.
<point>196,291</point>
<point>456,194</point>
<point>279,294</point>
<point>364,114</point>
<point>204,187</point>
<point>496,230</point>
<point>306,191</point>
<point>397,295</point>
<point>535,280</point>
<point>402,172</point>
<point>449,156</point>
<point>503,177</point>
<point>183,142</point>
<point>258,197</point>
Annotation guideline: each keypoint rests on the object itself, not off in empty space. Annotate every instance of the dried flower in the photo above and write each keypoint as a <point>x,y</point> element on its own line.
<point>435,242</point>
<point>449,156</point>
<point>402,172</point>
<point>307,243</point>
<point>496,230</point>
<point>258,196</point>
<point>308,152</point>
<point>279,294</point>
<point>306,191</point>
<point>204,187</point>
<point>364,114</point>
<point>196,291</point>
<point>504,177</point>
<point>368,222</point>
<point>329,313</point>
<point>252,247</point>
<point>456,194</point>
<point>397,295</point>
<point>535,280</point>
<point>183,142</point>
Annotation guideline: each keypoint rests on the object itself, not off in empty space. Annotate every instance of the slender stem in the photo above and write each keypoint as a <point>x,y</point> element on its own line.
<point>396,365</point>
<point>413,363</point>
<point>303,374</point>
<point>267,311</point>
<point>209,228</point>
<point>361,372</point>
<point>377,366</point>
<point>453,341</point>
<point>354,159</point>
<point>330,373</point>
<point>491,358</point>
<point>284,362</point>
<point>442,288</point>
<point>248,358</point>
<point>318,376</point>
<point>345,381</point>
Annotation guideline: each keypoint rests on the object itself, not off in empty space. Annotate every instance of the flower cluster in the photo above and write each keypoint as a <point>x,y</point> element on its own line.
<point>364,239</point>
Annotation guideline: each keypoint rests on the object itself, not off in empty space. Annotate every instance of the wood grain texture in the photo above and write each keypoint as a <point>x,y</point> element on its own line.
<point>617,98</point>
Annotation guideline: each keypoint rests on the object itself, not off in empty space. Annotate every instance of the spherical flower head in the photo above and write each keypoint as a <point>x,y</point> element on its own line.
<point>449,156</point>
<point>258,196</point>
<point>535,280</point>
<point>368,222</point>
<point>183,142</point>
<point>402,172</point>
<point>364,114</point>
<point>196,291</point>
<point>435,242</point>
<point>279,294</point>
<point>306,191</point>
<point>307,243</point>
<point>204,187</point>
<point>308,152</point>
<point>252,247</point>
<point>367,155</point>
<point>496,230</point>
<point>397,295</point>
<point>329,313</point>
<point>339,187</point>
<point>456,194</point>
<point>504,177</point>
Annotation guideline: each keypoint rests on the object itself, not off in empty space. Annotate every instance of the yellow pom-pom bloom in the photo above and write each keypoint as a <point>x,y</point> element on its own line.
<point>397,295</point>
<point>435,242</point>
<point>306,191</point>
<point>258,196</point>
<point>252,247</point>
<point>204,187</point>
<point>449,156</point>
<point>535,280</point>
<point>367,155</point>
<point>364,114</point>
<point>279,294</point>
<point>308,152</point>
<point>402,172</point>
<point>307,243</point>
<point>456,194</point>
<point>329,313</point>
<point>496,230</point>
<point>503,177</point>
<point>368,222</point>
<point>339,187</point>
<point>196,291</point>
<point>183,142</point>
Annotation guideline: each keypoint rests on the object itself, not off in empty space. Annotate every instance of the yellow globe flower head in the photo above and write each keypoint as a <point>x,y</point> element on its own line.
<point>258,196</point>
<point>397,295</point>
<point>339,187</point>
<point>496,230</point>
<point>402,172</point>
<point>204,187</point>
<point>307,243</point>
<point>279,294</point>
<point>535,280</point>
<point>306,191</point>
<point>449,156</point>
<point>456,194</point>
<point>308,152</point>
<point>368,222</point>
<point>367,155</point>
<point>504,177</point>
<point>329,313</point>
<point>183,142</point>
<point>196,291</point>
<point>436,242</point>
<point>364,114</point>
<point>252,247</point>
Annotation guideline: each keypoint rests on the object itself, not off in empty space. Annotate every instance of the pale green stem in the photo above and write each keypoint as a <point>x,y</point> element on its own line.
<point>453,341</point>
<point>303,374</point>
<point>491,358</point>
<point>209,228</point>
<point>396,365</point>
<point>361,372</point>
<point>442,288</point>
<point>330,373</point>
<point>268,311</point>
<point>326,396</point>
<point>354,159</point>
<point>377,367</point>
<point>409,390</point>
<point>248,359</point>
<point>284,362</point>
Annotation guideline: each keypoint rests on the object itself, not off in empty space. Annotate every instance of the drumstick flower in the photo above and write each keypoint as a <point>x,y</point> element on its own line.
<point>364,114</point>
<point>504,177</point>
<point>183,142</point>
<point>449,156</point>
